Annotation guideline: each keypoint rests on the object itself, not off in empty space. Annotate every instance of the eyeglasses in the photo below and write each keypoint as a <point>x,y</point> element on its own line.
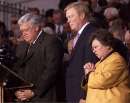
<point>26,28</point>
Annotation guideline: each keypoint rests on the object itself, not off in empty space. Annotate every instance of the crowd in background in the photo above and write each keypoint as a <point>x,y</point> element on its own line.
<point>112,15</point>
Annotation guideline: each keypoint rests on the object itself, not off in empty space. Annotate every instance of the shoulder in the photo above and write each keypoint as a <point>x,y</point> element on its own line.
<point>115,58</point>
<point>90,27</point>
<point>50,39</point>
<point>113,63</point>
<point>48,36</point>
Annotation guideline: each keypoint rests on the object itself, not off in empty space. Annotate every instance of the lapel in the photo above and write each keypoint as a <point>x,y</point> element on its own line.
<point>32,48</point>
<point>85,32</point>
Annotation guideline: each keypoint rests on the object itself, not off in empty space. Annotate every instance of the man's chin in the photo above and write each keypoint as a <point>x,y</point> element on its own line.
<point>27,41</point>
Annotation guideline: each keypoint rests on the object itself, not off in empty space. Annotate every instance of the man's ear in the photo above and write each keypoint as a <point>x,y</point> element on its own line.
<point>37,28</point>
<point>109,48</point>
<point>82,16</point>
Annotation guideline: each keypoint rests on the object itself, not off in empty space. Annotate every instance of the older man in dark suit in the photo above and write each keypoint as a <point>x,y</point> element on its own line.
<point>78,16</point>
<point>39,62</point>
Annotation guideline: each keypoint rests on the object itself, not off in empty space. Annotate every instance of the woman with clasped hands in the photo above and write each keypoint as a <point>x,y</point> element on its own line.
<point>108,80</point>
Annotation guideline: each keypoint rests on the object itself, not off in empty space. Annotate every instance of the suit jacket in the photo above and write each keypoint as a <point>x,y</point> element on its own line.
<point>41,66</point>
<point>110,82</point>
<point>81,54</point>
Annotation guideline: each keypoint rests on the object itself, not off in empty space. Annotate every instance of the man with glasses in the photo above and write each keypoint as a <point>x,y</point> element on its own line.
<point>39,62</point>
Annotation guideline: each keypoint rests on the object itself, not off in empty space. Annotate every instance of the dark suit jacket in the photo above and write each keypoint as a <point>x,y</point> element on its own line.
<point>80,55</point>
<point>41,66</point>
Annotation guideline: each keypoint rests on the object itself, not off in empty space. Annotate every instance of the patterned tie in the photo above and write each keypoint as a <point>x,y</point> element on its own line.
<point>75,40</point>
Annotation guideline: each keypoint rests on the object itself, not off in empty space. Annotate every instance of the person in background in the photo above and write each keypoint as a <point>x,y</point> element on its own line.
<point>111,14</point>
<point>108,80</point>
<point>34,11</point>
<point>117,29</point>
<point>14,32</point>
<point>39,60</point>
<point>59,20</point>
<point>127,37</point>
<point>48,15</point>
<point>78,15</point>
<point>127,42</point>
<point>14,28</point>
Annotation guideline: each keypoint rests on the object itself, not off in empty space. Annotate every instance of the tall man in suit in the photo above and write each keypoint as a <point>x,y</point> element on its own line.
<point>78,16</point>
<point>39,62</point>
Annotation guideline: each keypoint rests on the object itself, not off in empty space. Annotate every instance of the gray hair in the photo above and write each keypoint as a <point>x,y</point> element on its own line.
<point>80,7</point>
<point>30,18</point>
<point>114,12</point>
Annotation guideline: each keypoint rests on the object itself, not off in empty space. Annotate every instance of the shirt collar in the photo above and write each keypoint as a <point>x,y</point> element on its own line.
<point>37,37</point>
<point>81,30</point>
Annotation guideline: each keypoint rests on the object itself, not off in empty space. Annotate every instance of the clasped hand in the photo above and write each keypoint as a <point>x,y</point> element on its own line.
<point>24,94</point>
<point>89,67</point>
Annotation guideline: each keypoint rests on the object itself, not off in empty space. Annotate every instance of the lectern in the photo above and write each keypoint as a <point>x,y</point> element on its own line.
<point>10,80</point>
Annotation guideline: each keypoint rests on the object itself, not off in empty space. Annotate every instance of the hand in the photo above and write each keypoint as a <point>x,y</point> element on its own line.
<point>82,101</point>
<point>89,67</point>
<point>24,94</point>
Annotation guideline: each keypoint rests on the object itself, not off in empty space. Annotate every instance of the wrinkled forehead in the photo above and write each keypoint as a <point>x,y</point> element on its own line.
<point>25,25</point>
<point>71,11</point>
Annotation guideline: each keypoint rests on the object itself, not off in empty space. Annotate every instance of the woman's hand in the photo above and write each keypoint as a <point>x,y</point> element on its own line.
<point>89,67</point>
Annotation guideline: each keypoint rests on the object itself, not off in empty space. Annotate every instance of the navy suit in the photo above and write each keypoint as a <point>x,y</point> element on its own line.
<point>81,54</point>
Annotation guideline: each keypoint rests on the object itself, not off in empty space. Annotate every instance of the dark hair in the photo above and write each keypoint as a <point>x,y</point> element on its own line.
<point>49,13</point>
<point>34,10</point>
<point>128,26</point>
<point>57,11</point>
<point>107,39</point>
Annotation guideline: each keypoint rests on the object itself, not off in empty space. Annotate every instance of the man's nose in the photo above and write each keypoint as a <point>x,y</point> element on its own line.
<point>23,33</point>
<point>68,20</point>
<point>93,50</point>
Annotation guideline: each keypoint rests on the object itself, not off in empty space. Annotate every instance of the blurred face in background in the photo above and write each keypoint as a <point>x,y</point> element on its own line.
<point>57,18</point>
<point>94,1</point>
<point>127,39</point>
<point>75,19</point>
<point>127,36</point>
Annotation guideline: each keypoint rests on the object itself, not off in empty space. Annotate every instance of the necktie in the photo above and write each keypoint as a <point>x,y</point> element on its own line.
<point>75,40</point>
<point>28,49</point>
<point>58,30</point>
